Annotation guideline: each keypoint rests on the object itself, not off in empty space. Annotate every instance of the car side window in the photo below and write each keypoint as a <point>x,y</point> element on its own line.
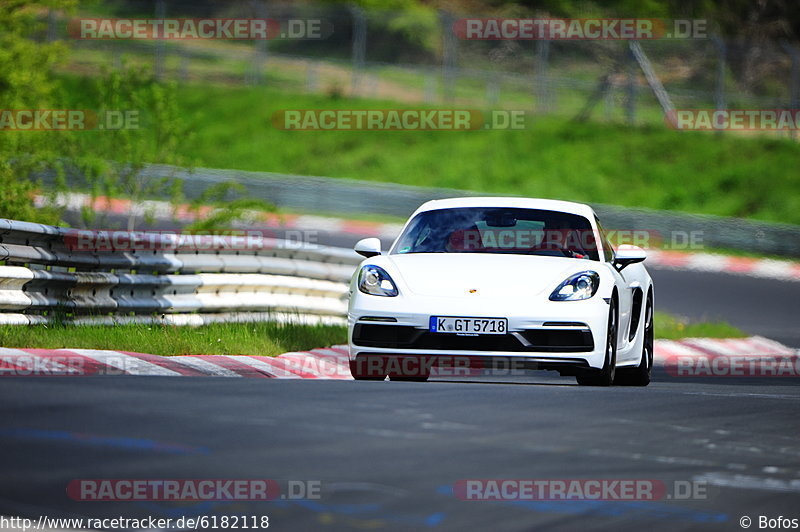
<point>608,251</point>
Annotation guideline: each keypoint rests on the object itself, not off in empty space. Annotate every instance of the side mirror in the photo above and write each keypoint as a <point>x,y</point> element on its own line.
<point>627,255</point>
<point>368,247</point>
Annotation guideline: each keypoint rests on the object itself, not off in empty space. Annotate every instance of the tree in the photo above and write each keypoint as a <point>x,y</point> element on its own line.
<point>26,82</point>
<point>120,165</point>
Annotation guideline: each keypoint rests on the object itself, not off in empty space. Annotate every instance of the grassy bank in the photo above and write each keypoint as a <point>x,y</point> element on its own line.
<point>669,327</point>
<point>248,339</point>
<point>216,339</point>
<point>594,162</point>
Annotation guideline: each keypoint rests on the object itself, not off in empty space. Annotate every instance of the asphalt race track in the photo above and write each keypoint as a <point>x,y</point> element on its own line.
<point>394,456</point>
<point>388,455</point>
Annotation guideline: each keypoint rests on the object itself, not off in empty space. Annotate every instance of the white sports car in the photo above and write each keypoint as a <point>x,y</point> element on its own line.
<point>502,283</point>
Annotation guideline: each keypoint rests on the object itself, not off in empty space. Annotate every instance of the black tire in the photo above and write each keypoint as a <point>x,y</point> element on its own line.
<point>605,375</point>
<point>640,375</point>
<point>367,369</point>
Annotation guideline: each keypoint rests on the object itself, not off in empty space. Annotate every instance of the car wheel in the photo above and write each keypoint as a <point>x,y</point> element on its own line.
<point>640,375</point>
<point>605,375</point>
<point>367,369</point>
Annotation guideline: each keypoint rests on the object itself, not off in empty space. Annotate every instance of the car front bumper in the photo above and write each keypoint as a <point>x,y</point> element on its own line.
<point>546,335</point>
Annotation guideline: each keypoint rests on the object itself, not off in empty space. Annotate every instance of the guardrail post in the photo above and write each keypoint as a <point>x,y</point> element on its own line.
<point>540,72</point>
<point>312,76</point>
<point>116,55</point>
<point>719,88</point>
<point>794,86</point>
<point>183,71</point>
<point>449,54</point>
<point>359,47</point>
<point>253,75</point>
<point>430,87</point>
<point>630,89</point>
<point>52,26</point>
<point>492,90</point>
<point>158,58</point>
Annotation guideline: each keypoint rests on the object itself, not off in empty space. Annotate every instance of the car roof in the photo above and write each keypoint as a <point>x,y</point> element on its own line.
<point>499,201</point>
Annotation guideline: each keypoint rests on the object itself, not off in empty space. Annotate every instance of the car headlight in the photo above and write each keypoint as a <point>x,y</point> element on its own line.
<point>375,281</point>
<point>582,285</point>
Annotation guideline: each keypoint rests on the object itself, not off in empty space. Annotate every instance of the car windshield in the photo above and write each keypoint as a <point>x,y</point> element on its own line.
<point>499,230</point>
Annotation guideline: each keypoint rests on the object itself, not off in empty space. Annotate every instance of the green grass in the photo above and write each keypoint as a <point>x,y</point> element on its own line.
<point>650,166</point>
<point>265,339</point>
<point>669,327</point>
<point>733,252</point>
<point>646,167</point>
<point>226,63</point>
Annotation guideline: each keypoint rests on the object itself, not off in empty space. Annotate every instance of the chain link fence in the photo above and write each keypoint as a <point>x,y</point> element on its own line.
<point>415,57</point>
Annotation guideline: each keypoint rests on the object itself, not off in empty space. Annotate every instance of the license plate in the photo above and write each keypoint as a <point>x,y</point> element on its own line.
<point>471,326</point>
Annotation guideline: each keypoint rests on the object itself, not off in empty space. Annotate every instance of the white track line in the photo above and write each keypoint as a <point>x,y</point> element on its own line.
<point>266,367</point>
<point>127,363</point>
<point>204,366</point>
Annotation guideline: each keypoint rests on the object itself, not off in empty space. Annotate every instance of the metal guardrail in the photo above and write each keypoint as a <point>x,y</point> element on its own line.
<point>51,272</point>
<point>351,196</point>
